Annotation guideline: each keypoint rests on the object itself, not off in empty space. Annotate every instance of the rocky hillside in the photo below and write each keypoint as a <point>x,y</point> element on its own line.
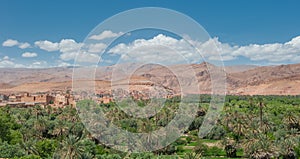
<point>266,80</point>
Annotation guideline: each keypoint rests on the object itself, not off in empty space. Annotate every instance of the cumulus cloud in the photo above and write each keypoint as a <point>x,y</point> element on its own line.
<point>274,52</point>
<point>211,49</point>
<point>69,49</point>
<point>69,45</point>
<point>64,46</point>
<point>11,43</point>
<point>11,63</point>
<point>96,48</point>
<point>166,49</point>
<point>88,57</point>
<point>8,63</point>
<point>47,45</point>
<point>81,57</point>
<point>63,64</point>
<point>24,45</point>
<point>38,64</point>
<point>29,54</point>
<point>161,49</point>
<point>105,35</point>
<point>6,58</point>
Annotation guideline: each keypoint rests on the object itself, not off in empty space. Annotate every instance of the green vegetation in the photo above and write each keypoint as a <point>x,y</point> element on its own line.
<point>259,127</point>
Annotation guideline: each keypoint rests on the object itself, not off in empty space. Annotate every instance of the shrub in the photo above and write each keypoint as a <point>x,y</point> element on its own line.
<point>200,148</point>
<point>46,148</point>
<point>180,141</point>
<point>188,139</point>
<point>214,151</point>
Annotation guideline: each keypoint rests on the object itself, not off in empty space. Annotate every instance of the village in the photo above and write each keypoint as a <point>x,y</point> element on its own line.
<point>25,99</point>
<point>62,98</point>
<point>57,99</point>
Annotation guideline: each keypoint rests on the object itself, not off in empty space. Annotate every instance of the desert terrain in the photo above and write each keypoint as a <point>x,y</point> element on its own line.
<point>240,80</point>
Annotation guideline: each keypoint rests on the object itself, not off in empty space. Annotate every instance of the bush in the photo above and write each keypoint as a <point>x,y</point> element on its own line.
<point>170,149</point>
<point>216,133</point>
<point>214,151</point>
<point>142,156</point>
<point>10,151</point>
<point>230,151</point>
<point>200,148</point>
<point>297,150</point>
<point>30,157</point>
<point>180,141</point>
<point>109,156</point>
<point>189,139</point>
<point>46,148</point>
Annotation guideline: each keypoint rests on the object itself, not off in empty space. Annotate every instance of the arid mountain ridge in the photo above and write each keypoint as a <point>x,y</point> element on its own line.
<point>240,80</point>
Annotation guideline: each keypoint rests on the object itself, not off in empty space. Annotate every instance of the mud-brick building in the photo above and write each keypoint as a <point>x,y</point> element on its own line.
<point>41,98</point>
<point>14,98</point>
<point>64,99</point>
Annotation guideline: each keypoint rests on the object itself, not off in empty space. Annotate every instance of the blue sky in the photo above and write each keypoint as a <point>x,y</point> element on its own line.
<point>236,25</point>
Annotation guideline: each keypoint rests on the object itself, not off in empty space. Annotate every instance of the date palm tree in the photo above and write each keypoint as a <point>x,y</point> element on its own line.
<point>230,147</point>
<point>238,125</point>
<point>291,120</point>
<point>40,125</point>
<point>192,155</point>
<point>60,129</point>
<point>287,148</point>
<point>259,146</point>
<point>70,148</point>
<point>29,146</point>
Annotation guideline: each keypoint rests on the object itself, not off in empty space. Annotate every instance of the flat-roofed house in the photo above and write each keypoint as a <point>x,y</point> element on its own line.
<point>12,98</point>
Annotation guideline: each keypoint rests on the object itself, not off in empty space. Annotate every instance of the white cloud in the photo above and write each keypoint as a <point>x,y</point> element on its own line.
<point>5,58</point>
<point>88,57</point>
<point>47,45</point>
<point>68,56</point>
<point>81,57</point>
<point>38,64</point>
<point>96,48</point>
<point>275,52</point>
<point>6,63</point>
<point>69,49</point>
<point>105,35</point>
<point>63,64</point>
<point>159,49</point>
<point>24,45</point>
<point>10,43</point>
<point>29,54</point>
<point>10,64</point>
<point>150,50</point>
<point>295,42</point>
<point>69,45</point>
<point>165,49</point>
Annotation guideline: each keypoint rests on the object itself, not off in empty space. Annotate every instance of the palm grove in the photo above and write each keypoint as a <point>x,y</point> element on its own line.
<point>259,127</point>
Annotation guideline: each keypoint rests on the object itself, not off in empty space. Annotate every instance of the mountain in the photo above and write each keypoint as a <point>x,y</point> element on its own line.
<point>242,80</point>
<point>283,79</point>
<point>239,68</point>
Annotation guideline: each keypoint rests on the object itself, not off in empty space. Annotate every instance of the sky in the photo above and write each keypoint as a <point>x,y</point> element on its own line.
<point>38,34</point>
